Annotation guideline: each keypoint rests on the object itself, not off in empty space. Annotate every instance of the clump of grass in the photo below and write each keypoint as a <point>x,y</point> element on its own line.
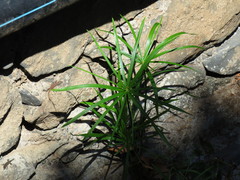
<point>126,113</point>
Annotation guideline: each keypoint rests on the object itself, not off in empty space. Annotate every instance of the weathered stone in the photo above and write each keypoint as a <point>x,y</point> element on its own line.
<point>35,146</point>
<point>181,81</point>
<point>25,159</point>
<point>5,99</point>
<point>211,21</point>
<point>29,99</point>
<point>56,58</point>
<point>61,170</point>
<point>38,151</point>
<point>212,113</point>
<point>74,166</point>
<point>56,105</point>
<point>225,60</point>
<point>10,126</point>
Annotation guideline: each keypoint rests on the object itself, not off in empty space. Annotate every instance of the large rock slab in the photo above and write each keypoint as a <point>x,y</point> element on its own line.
<point>24,160</point>
<point>56,105</point>
<point>6,99</point>
<point>182,81</point>
<point>12,113</point>
<point>225,59</point>
<point>212,21</point>
<point>56,58</point>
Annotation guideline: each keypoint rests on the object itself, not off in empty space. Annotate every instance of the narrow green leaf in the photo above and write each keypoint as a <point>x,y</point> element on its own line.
<point>104,55</point>
<point>120,38</point>
<point>107,111</point>
<point>136,49</point>
<point>92,107</point>
<point>161,135</point>
<point>120,61</point>
<point>131,28</point>
<point>152,37</point>
<point>161,45</point>
<point>94,74</point>
<point>176,49</point>
<point>102,86</point>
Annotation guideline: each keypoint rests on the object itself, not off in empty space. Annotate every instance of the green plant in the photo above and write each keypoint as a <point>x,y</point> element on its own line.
<point>126,114</point>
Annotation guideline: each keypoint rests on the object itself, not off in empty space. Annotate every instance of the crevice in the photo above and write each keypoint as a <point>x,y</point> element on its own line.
<point>217,43</point>
<point>62,26</point>
<point>32,176</point>
<point>6,114</point>
<point>216,75</point>
<point>13,147</point>
<point>28,126</point>
<point>38,78</point>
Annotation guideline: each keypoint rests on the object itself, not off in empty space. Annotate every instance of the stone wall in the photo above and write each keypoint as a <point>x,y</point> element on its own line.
<point>32,143</point>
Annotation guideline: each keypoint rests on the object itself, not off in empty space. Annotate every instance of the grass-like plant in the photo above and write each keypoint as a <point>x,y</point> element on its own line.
<point>131,82</point>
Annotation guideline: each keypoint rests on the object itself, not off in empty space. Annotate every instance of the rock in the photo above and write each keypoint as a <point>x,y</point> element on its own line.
<point>61,169</point>
<point>181,81</point>
<point>45,149</point>
<point>225,59</point>
<point>41,150</point>
<point>6,99</point>
<point>211,21</point>
<point>29,99</point>
<point>25,159</point>
<point>10,126</point>
<point>35,146</point>
<point>55,58</point>
<point>56,105</point>
<point>213,115</point>
<point>201,18</point>
<point>80,166</point>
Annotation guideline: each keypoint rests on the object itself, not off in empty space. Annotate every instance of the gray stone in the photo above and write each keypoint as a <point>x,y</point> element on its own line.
<point>181,81</point>
<point>225,60</point>
<point>29,99</point>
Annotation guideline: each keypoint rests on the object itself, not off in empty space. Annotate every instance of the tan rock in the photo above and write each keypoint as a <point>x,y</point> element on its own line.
<point>56,105</point>
<point>56,58</point>
<point>5,99</point>
<point>212,21</point>
<point>24,160</point>
<point>11,121</point>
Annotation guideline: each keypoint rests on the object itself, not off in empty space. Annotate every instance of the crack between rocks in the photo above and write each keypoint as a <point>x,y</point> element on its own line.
<point>50,155</point>
<point>215,43</point>
<point>36,79</point>
<point>6,114</point>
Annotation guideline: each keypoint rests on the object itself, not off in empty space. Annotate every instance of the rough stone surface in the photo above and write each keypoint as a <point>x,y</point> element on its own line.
<point>12,119</point>
<point>211,21</point>
<point>225,59</point>
<point>6,99</point>
<point>73,166</point>
<point>29,99</point>
<point>24,163</point>
<point>217,20</point>
<point>33,139</point>
<point>182,81</point>
<point>210,111</point>
<point>56,105</point>
<point>56,58</point>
